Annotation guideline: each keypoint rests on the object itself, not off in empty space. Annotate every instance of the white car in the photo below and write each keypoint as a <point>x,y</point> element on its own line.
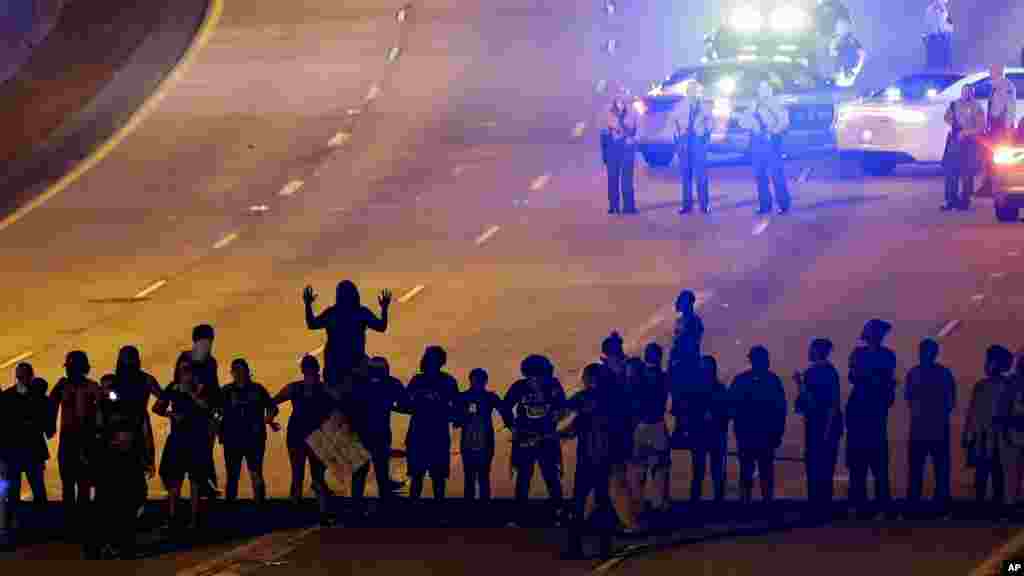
<point>904,123</point>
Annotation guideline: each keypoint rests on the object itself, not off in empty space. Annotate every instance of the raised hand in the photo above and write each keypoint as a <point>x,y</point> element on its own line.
<point>308,296</point>
<point>385,298</point>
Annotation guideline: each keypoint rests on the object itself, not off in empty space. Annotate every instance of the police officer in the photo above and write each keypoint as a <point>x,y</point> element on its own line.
<point>768,120</point>
<point>1001,118</point>
<point>967,121</point>
<point>619,151</point>
<point>692,126</point>
<point>938,38</point>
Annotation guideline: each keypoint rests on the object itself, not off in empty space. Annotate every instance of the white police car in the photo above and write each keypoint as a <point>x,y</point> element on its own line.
<point>904,123</point>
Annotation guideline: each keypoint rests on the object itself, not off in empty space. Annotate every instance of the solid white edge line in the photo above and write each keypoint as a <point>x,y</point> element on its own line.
<point>948,328</point>
<point>291,188</point>
<point>150,289</point>
<point>487,235</point>
<point>411,294</point>
<point>225,240</point>
<point>19,358</point>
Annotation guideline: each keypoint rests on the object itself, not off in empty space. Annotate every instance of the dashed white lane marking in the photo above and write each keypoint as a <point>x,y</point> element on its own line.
<point>459,169</point>
<point>1013,253</point>
<point>411,294</point>
<point>290,188</point>
<point>977,297</point>
<point>948,328</point>
<point>263,551</point>
<point>19,358</point>
<point>608,565</point>
<point>579,129</point>
<point>150,289</point>
<point>610,46</point>
<point>373,93</point>
<point>489,124</point>
<point>610,8</point>
<point>225,240</point>
<point>998,275</point>
<point>401,14</point>
<point>339,139</point>
<point>601,86</point>
<point>259,208</point>
<point>393,53</point>
<point>487,235</point>
<point>761,226</point>
<point>660,316</point>
<point>353,111</point>
<point>540,182</point>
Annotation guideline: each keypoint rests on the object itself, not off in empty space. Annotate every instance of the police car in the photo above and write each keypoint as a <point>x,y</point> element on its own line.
<point>1008,180</point>
<point>905,122</point>
<point>729,90</point>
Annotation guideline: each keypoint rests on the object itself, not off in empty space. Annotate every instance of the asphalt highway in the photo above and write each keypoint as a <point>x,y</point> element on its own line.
<point>458,176</point>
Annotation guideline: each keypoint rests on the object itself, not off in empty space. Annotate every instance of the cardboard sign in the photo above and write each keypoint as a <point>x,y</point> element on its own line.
<point>336,444</point>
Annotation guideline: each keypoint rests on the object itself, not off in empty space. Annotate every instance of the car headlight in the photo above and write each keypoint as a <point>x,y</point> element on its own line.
<point>640,107</point>
<point>893,93</point>
<point>727,85</point>
<point>746,19</point>
<point>722,108</point>
<point>790,19</point>
<point>1007,155</point>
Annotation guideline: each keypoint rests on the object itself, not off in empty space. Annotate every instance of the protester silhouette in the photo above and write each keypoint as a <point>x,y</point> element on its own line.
<point>248,410</point>
<point>707,410</point>
<point>1013,430</point>
<point>185,451</point>
<point>432,397</point>
<point>27,419</point>
<point>872,369</point>
<point>346,323</point>
<point>819,403</point>
<point>76,398</point>
<point>377,398</point>
<point>477,407</point>
<point>592,427</point>
<point>685,360</point>
<point>931,394</point>
<point>759,401</point>
<point>136,388</point>
<point>205,370</point>
<point>310,407</point>
<point>982,439</point>
<point>535,404</point>
<point>650,463</point>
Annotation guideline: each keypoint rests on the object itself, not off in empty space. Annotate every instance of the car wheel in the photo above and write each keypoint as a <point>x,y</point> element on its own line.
<point>1006,212</point>
<point>876,166</point>
<point>659,156</point>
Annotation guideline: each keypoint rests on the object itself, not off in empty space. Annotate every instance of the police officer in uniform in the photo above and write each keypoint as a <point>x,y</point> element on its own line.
<point>967,121</point>
<point>1001,118</point>
<point>618,143</point>
<point>692,131</point>
<point>768,120</point>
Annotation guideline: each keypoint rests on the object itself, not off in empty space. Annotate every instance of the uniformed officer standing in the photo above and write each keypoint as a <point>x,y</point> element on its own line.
<point>692,129</point>
<point>938,38</point>
<point>967,121</point>
<point>619,150</point>
<point>1000,120</point>
<point>768,120</point>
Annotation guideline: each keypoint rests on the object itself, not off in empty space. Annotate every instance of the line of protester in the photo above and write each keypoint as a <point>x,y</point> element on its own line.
<point>627,419</point>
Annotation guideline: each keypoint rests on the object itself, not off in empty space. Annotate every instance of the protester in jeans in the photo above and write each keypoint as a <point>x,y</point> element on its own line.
<point>1012,423</point>
<point>535,404</point>
<point>477,407</point>
<point>205,370</point>
<point>136,388</point>
<point>76,398</point>
<point>650,455</point>
<point>707,410</point>
<point>872,370</point>
<point>819,402</point>
<point>981,437</point>
<point>124,457</point>
<point>26,421</point>
<point>248,410</point>
<point>613,357</point>
<point>759,401</point>
<point>310,407</point>
<point>931,394</point>
<point>432,397</point>
<point>592,427</point>
<point>184,454</point>
<point>381,395</point>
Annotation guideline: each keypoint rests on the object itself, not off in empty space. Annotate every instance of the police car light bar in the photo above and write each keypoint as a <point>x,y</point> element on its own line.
<point>746,19</point>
